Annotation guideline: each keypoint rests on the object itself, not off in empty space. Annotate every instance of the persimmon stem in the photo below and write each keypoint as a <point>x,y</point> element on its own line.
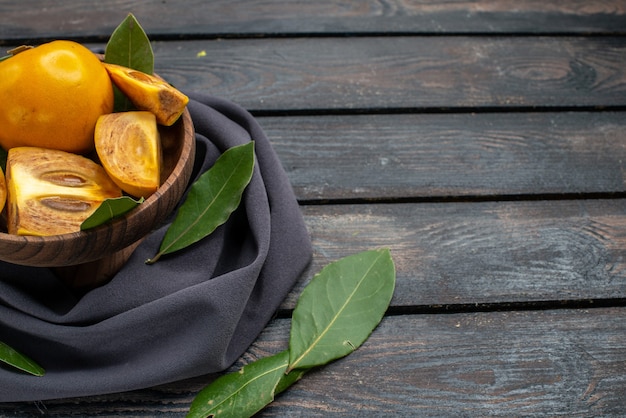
<point>18,49</point>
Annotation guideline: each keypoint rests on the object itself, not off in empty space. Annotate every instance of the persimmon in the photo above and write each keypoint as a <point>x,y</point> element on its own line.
<point>148,92</point>
<point>51,192</point>
<point>51,97</point>
<point>129,148</point>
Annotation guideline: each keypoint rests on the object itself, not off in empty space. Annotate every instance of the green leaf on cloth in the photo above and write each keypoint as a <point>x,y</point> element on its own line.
<point>211,200</point>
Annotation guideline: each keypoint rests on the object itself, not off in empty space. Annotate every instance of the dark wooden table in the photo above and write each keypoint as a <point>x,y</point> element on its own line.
<point>483,142</point>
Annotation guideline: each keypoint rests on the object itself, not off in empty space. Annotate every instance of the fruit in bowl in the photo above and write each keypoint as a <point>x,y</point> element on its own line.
<point>51,99</point>
<point>51,96</point>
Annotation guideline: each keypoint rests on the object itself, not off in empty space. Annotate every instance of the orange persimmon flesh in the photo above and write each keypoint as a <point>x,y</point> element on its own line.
<point>129,148</point>
<point>148,92</point>
<point>51,192</point>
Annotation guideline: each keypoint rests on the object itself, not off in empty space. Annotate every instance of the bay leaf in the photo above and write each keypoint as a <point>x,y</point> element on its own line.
<point>288,379</point>
<point>340,307</point>
<point>211,200</point>
<point>110,209</point>
<point>20,361</point>
<point>242,393</point>
<point>129,46</point>
<point>347,298</point>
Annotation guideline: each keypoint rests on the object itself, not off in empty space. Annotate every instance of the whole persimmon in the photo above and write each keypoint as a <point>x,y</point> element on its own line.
<point>51,97</point>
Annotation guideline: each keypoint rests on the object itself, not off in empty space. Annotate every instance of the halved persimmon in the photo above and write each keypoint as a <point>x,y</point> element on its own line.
<point>129,148</point>
<point>51,192</point>
<point>148,92</point>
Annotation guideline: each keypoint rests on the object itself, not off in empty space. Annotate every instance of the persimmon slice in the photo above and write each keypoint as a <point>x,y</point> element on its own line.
<point>148,92</point>
<point>129,148</point>
<point>51,192</point>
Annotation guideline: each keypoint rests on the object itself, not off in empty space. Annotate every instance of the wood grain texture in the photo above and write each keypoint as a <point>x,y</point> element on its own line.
<point>430,156</point>
<point>75,18</point>
<point>567,363</point>
<point>378,73</point>
<point>483,142</point>
<point>496,364</point>
<point>481,253</point>
<point>415,74</point>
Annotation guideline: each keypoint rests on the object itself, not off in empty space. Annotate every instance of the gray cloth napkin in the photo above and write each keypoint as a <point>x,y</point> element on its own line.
<point>192,313</point>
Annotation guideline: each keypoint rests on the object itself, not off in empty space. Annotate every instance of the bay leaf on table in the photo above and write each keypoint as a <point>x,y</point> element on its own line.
<point>340,307</point>
<point>243,393</point>
<point>345,288</point>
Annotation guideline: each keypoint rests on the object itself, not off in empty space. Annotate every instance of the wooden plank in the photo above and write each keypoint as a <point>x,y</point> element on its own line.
<point>562,362</point>
<point>74,18</point>
<point>481,253</point>
<point>507,364</point>
<point>401,73</point>
<point>411,73</point>
<point>430,156</point>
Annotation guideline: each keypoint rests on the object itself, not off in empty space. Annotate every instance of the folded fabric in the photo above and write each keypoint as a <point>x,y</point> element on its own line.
<point>192,313</point>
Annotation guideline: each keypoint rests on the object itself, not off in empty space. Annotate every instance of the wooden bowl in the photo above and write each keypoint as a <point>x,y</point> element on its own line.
<point>89,258</point>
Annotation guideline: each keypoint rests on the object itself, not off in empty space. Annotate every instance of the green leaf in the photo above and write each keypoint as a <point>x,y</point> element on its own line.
<point>335,314</point>
<point>289,379</point>
<point>129,46</point>
<point>211,200</point>
<point>243,393</point>
<point>340,307</point>
<point>109,209</point>
<point>13,358</point>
